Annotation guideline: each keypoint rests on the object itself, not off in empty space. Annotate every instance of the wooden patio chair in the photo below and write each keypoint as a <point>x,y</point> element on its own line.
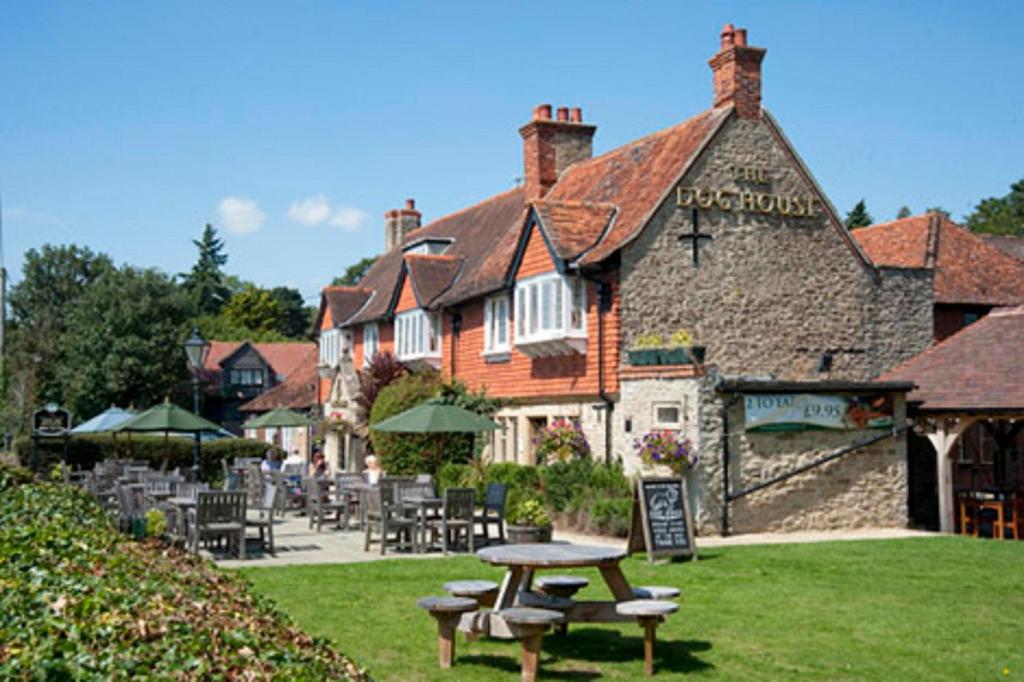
<point>218,514</point>
<point>456,517</point>
<point>262,517</point>
<point>381,516</point>
<point>493,511</point>
<point>319,506</point>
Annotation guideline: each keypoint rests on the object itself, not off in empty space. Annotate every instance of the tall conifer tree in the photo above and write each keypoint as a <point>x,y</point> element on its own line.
<point>858,217</point>
<point>205,283</point>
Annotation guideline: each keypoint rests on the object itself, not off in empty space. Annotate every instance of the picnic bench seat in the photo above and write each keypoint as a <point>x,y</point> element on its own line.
<point>655,592</point>
<point>484,592</point>
<point>561,585</point>
<point>446,611</point>
<point>648,613</point>
<point>529,625</point>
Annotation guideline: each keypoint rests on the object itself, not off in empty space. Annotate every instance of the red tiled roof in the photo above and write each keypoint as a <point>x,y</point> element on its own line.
<point>284,358</point>
<point>573,226</point>
<point>968,270</point>
<point>1010,244</point>
<point>635,178</point>
<point>484,237</point>
<point>431,275</point>
<point>979,368</point>
<point>343,302</point>
<point>297,391</point>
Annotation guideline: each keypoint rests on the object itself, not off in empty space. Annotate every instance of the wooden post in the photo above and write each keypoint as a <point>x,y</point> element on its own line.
<point>446,638</point>
<point>649,625</point>
<point>531,656</point>
<point>944,437</point>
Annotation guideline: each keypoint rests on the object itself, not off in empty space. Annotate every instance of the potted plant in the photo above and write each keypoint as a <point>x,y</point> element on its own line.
<point>562,441</point>
<point>666,448</point>
<point>646,349</point>
<point>529,522</point>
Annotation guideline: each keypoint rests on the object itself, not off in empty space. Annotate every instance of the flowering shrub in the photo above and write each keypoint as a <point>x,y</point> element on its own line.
<point>562,441</point>
<point>666,448</point>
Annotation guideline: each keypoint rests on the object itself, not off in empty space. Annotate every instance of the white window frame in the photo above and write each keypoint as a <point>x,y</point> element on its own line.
<point>550,307</point>
<point>371,342</point>
<point>418,335</point>
<point>331,347</point>
<point>672,425</point>
<point>497,316</point>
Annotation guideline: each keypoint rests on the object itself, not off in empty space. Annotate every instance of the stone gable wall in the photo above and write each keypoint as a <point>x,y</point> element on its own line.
<point>771,291</point>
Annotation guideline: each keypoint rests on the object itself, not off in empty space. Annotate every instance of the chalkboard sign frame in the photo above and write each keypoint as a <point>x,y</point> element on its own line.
<point>640,535</point>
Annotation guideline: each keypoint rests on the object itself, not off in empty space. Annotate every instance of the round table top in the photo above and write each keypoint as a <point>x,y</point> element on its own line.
<point>549,555</point>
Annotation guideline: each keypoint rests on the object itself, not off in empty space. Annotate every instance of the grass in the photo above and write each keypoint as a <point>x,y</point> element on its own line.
<point>923,608</point>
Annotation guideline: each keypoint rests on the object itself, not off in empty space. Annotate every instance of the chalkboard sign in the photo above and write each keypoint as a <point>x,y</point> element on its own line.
<point>661,521</point>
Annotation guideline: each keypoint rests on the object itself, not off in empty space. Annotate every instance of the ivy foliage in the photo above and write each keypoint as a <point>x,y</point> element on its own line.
<point>80,601</point>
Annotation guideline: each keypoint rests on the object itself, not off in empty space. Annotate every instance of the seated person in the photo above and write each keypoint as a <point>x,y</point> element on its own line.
<point>294,458</point>
<point>271,461</point>
<point>318,468</point>
<point>372,473</point>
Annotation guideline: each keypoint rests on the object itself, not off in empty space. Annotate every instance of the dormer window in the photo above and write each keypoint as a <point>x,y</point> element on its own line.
<point>551,315</point>
<point>418,337</point>
<point>428,247</point>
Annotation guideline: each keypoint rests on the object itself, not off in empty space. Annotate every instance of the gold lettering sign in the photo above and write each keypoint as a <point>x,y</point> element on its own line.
<point>746,201</point>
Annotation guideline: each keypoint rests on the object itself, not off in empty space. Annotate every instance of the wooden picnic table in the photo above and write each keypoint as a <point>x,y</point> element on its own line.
<point>523,560</point>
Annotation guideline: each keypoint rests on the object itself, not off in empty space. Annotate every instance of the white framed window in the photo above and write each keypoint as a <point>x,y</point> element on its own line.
<point>551,314</point>
<point>246,377</point>
<point>418,335</point>
<point>331,347</point>
<point>371,342</point>
<point>667,415</point>
<point>496,327</point>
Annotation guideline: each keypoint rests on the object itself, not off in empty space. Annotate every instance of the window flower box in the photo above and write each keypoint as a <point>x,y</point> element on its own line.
<point>643,356</point>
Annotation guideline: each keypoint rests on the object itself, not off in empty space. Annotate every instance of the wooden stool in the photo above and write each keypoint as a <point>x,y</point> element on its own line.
<point>648,613</point>
<point>484,592</point>
<point>561,585</point>
<point>655,592</point>
<point>529,626</point>
<point>446,611</point>
<point>537,600</point>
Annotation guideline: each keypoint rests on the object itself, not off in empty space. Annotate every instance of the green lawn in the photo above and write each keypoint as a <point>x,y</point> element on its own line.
<point>934,608</point>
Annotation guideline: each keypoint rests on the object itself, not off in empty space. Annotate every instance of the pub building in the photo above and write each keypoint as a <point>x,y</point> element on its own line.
<point>714,226</point>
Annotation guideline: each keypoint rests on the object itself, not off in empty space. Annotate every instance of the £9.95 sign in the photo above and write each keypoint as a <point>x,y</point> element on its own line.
<point>799,411</point>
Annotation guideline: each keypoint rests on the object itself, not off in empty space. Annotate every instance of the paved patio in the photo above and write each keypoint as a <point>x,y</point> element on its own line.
<point>297,544</point>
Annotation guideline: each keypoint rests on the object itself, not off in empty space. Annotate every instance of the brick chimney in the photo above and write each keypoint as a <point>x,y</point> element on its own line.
<point>736,73</point>
<point>550,146</point>
<point>400,222</point>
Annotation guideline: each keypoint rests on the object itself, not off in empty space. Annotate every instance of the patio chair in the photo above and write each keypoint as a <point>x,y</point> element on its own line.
<point>218,514</point>
<point>381,516</point>
<point>343,490</point>
<point>263,518</point>
<point>319,506</point>
<point>493,510</point>
<point>456,517</point>
<point>191,489</point>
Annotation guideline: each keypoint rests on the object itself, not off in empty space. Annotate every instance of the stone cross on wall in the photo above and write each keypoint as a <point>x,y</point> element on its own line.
<point>695,238</point>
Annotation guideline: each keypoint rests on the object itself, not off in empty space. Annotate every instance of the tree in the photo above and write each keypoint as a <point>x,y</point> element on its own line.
<point>1000,215</point>
<point>354,273</point>
<point>123,342</point>
<point>295,318</point>
<point>220,328</point>
<point>206,282</point>
<point>254,308</point>
<point>53,280</point>
<point>904,212</point>
<point>382,370</point>
<point>858,217</point>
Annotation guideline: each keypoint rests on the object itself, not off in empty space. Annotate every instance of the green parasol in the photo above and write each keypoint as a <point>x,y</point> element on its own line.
<point>279,417</point>
<point>435,416</point>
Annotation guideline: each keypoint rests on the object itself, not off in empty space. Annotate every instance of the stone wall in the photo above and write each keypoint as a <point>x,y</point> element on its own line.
<point>514,443</point>
<point>771,291</point>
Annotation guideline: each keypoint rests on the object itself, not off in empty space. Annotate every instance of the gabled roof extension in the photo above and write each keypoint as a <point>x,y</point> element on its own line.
<point>431,275</point>
<point>343,302</point>
<point>573,227</point>
<point>968,270</point>
<point>297,391</point>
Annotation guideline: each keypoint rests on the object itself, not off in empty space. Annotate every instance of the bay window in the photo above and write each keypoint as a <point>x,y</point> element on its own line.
<point>332,347</point>
<point>418,337</point>
<point>551,315</point>
<point>496,330</point>
<point>371,342</point>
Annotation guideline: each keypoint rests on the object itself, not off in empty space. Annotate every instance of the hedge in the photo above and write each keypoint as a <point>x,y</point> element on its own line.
<point>78,600</point>
<point>581,494</point>
<point>85,450</point>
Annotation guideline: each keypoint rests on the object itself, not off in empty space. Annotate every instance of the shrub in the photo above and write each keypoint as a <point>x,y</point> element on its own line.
<point>85,450</point>
<point>382,370</point>
<point>562,441</point>
<point>610,516</point>
<point>407,453</point>
<point>81,601</point>
<point>530,513</point>
<point>565,483</point>
<point>156,523</point>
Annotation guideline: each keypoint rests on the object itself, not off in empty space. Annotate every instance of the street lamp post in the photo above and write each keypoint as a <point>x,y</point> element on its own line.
<point>197,349</point>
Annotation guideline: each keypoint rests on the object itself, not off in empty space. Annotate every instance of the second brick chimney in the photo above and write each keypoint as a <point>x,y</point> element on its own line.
<point>400,222</point>
<point>550,146</point>
<point>736,73</point>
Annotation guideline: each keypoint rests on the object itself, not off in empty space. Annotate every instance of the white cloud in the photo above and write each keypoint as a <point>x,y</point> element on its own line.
<point>348,218</point>
<point>310,211</point>
<point>240,216</point>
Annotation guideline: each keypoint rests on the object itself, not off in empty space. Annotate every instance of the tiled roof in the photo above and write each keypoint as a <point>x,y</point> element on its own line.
<point>343,302</point>
<point>297,391</point>
<point>1010,244</point>
<point>635,177</point>
<point>484,237</point>
<point>284,358</point>
<point>979,368</point>
<point>573,226</point>
<point>431,275</point>
<point>968,270</point>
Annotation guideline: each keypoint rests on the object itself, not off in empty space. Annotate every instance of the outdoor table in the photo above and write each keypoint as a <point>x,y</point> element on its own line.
<point>422,505</point>
<point>181,506</point>
<point>523,560</point>
<point>361,489</point>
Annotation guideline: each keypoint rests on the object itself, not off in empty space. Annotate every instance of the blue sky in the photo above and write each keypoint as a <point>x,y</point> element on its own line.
<point>292,127</point>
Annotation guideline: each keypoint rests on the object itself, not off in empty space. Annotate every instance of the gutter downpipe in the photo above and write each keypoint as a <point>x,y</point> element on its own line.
<point>604,304</point>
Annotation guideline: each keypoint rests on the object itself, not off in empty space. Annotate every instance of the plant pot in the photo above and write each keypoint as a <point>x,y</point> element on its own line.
<point>522,535</point>
<point>673,356</point>
<point>643,356</point>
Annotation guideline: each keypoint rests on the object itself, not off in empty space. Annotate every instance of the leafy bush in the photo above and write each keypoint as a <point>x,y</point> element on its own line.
<point>85,450</point>
<point>383,369</point>
<point>610,516</point>
<point>407,453</point>
<point>156,523</point>
<point>565,483</point>
<point>80,601</point>
<point>530,513</point>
